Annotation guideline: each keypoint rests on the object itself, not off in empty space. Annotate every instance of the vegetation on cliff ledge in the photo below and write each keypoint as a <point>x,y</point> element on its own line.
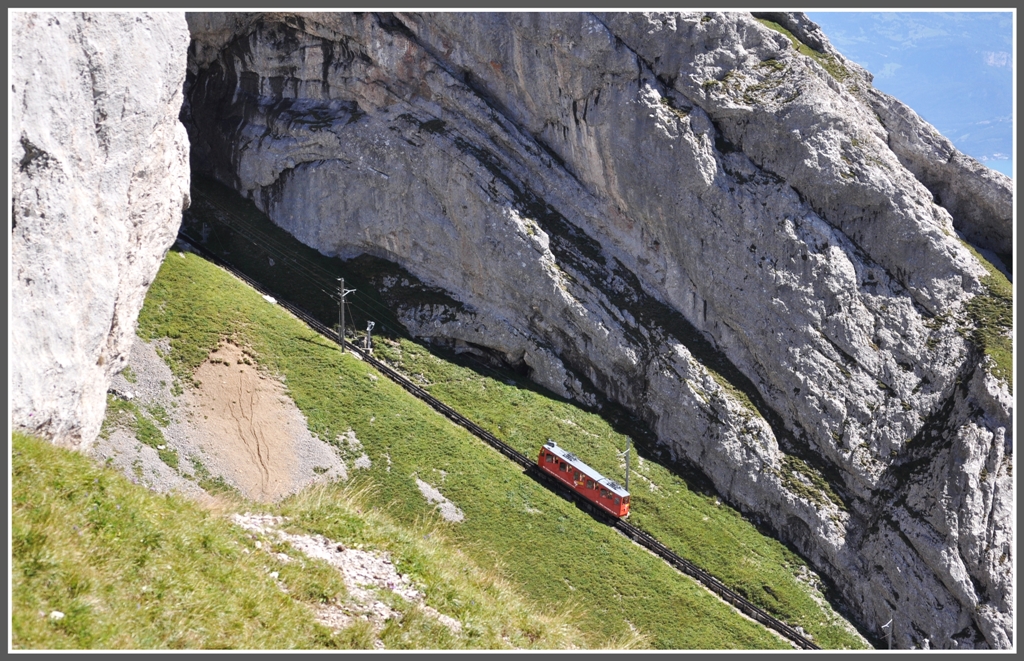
<point>827,62</point>
<point>992,314</point>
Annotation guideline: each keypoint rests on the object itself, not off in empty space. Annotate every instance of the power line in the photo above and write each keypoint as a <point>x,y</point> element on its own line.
<point>268,243</point>
<point>642,537</point>
<point>312,273</point>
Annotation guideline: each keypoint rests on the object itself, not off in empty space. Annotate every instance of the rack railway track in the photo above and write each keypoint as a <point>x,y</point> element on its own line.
<point>639,536</point>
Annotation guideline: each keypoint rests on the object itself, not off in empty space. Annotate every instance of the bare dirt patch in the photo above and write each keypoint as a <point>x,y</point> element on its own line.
<point>238,425</point>
<point>248,426</point>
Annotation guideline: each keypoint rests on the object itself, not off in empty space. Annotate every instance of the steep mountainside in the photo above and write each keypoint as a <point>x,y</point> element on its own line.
<point>711,219</point>
<point>718,226</point>
<point>99,177</point>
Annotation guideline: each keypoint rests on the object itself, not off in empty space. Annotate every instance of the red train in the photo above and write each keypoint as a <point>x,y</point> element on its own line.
<point>584,480</point>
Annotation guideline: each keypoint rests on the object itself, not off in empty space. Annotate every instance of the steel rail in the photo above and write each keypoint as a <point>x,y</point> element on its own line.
<point>639,536</point>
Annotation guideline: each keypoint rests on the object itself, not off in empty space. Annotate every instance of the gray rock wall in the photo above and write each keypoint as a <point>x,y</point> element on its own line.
<point>979,199</point>
<point>99,164</point>
<point>684,215</point>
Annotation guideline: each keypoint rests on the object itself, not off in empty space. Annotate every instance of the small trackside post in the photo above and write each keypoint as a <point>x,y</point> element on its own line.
<point>629,445</point>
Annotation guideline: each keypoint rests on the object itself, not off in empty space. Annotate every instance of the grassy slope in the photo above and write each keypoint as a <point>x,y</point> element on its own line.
<point>677,511</point>
<point>691,522</point>
<point>130,569</point>
<point>550,549</point>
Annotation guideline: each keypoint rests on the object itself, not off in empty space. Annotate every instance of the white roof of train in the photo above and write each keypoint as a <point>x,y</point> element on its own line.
<point>575,462</point>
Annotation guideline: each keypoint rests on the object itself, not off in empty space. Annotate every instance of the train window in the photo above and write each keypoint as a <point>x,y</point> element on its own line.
<point>576,475</point>
<point>562,466</point>
<point>604,492</point>
<point>550,459</point>
<point>625,500</point>
<point>590,484</point>
<point>616,500</point>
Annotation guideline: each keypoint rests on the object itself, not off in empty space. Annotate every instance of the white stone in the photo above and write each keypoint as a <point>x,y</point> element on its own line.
<point>99,167</point>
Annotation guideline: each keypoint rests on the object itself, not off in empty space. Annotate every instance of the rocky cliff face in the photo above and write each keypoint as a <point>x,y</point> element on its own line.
<point>744,244</point>
<point>99,165</point>
<point>980,200</point>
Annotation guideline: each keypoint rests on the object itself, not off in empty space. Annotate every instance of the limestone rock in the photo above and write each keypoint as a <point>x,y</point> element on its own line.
<point>682,214</point>
<point>99,165</point>
<point>979,199</point>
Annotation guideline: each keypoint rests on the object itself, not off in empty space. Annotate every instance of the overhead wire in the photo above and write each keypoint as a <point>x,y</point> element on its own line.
<point>365,299</point>
<point>312,273</point>
<point>642,537</point>
<point>310,270</point>
<point>270,244</point>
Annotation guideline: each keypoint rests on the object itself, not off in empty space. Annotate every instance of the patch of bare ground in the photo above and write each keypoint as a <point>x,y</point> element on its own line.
<point>238,425</point>
<point>365,572</point>
<point>250,430</point>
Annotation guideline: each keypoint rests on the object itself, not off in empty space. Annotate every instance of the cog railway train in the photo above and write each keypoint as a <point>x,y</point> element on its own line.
<point>567,468</point>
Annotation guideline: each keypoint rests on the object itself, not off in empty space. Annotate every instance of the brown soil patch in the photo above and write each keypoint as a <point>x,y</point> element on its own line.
<point>247,426</point>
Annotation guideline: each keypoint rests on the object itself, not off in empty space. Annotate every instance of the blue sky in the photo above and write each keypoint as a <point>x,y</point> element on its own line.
<point>955,69</point>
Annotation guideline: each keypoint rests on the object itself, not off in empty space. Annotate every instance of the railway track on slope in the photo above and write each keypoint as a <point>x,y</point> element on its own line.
<point>639,536</point>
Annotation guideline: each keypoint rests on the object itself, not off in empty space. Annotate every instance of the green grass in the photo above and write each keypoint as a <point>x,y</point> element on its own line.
<point>992,314</point>
<point>550,550</point>
<point>236,229</point>
<point>195,303</point>
<point>493,613</point>
<point>681,514</point>
<point>211,484</point>
<point>827,62</point>
<point>130,569</point>
<point>129,374</point>
<point>127,414</point>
